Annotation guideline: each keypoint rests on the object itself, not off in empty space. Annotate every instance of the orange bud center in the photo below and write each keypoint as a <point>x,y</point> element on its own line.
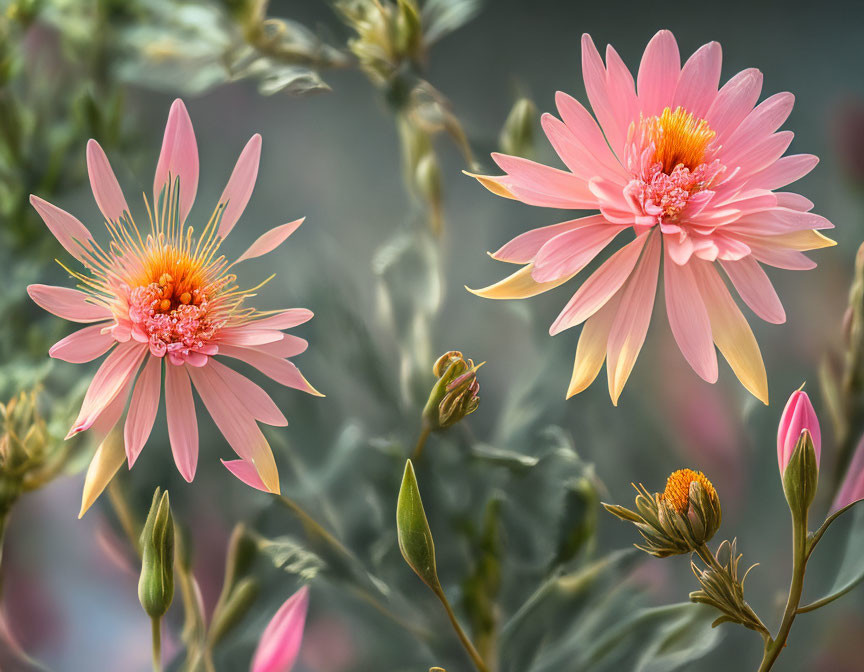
<point>679,138</point>
<point>677,492</point>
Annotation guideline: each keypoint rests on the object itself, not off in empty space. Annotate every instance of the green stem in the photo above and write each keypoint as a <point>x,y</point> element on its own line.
<point>156,627</point>
<point>421,442</point>
<point>469,647</point>
<point>4,519</point>
<point>774,646</point>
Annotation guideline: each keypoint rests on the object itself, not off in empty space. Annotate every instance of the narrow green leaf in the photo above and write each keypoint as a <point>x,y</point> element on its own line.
<point>415,537</point>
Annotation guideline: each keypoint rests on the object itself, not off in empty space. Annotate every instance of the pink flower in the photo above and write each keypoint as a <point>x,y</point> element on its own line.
<point>797,416</point>
<point>164,304</point>
<point>279,645</point>
<point>853,485</point>
<point>693,172</point>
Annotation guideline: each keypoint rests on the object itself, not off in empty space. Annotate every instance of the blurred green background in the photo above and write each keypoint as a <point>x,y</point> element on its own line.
<point>335,158</point>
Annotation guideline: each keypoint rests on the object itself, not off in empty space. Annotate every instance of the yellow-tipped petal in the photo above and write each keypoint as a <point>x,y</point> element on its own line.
<point>591,351</point>
<point>732,333</point>
<point>106,461</point>
<point>492,184</point>
<point>803,241</point>
<point>519,285</point>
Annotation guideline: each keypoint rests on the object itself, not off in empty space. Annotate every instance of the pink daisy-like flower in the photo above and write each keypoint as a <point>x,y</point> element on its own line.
<point>693,171</point>
<point>167,296</point>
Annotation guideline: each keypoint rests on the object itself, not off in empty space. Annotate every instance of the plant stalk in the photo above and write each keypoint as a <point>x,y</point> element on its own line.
<point>469,647</point>
<point>775,645</point>
<point>156,627</point>
<point>421,442</point>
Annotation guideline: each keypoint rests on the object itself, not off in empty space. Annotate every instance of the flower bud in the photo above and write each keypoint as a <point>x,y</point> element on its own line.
<point>456,394</point>
<point>279,645</point>
<point>678,520</point>
<point>797,416</point>
<point>801,476</point>
<point>156,584</point>
<point>517,135</point>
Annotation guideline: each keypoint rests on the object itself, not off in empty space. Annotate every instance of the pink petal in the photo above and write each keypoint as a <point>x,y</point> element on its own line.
<point>284,319</point>
<point>594,76</point>
<point>755,288</point>
<point>536,184</point>
<point>658,73</point>
<point>83,345</point>
<point>245,471</point>
<point>600,287</point>
<point>569,252</point>
<point>853,484</point>
<point>779,257</point>
<point>778,221</point>
<point>113,375</point>
<point>688,319</point>
<point>69,232</point>
<point>734,102</point>
<point>524,248</point>
<point>628,330</point>
<point>110,415</point>
<point>591,350</point>
<point>288,346</point>
<point>182,423</point>
<point>70,304</point>
<point>760,155</point>
<point>785,171</point>
<point>621,90</point>
<point>279,645</point>
<point>251,396</point>
<point>248,334</point>
<point>240,185</point>
<point>587,133</point>
<point>270,240</point>
<point>280,370</point>
<point>700,76</point>
<point>236,424</point>
<point>576,156</point>
<point>106,189</point>
<point>768,116</point>
<point>142,409</point>
<point>179,158</point>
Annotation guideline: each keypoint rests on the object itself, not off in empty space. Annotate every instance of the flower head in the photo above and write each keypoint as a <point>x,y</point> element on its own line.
<point>692,170</point>
<point>680,519</point>
<point>457,392</point>
<point>279,645</point>
<point>164,302</point>
<point>798,415</point>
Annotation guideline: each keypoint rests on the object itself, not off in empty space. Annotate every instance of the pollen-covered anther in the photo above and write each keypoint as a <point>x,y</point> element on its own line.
<point>677,492</point>
<point>679,138</point>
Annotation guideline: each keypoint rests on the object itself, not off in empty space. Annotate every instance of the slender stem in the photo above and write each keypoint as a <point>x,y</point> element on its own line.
<point>156,627</point>
<point>774,646</point>
<point>4,519</point>
<point>421,442</point>
<point>469,647</point>
<point>128,522</point>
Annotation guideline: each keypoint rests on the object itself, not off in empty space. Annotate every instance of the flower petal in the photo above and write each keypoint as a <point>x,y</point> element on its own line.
<point>688,319</point>
<point>628,330</point>
<point>106,190</point>
<point>285,319</point>
<point>785,171</point>
<point>246,472</point>
<point>519,285</point>
<point>178,158</point>
<point>658,73</point>
<point>251,396</point>
<point>69,232</point>
<point>236,424</point>
<point>182,422</point>
<point>700,76</point>
<point>603,284</point>
<point>83,345</point>
<point>568,253</point>
<point>104,465</point>
<point>755,289</point>
<point>524,247</point>
<point>280,370</point>
<point>731,332</point>
<point>240,185</point>
<point>142,408</point>
<point>280,643</point>
<point>594,76</point>
<point>270,240</point>
<point>70,304</point>
<point>591,350</point>
<point>735,100</point>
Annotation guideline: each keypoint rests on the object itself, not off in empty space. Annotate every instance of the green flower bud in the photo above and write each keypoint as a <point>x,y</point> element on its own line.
<point>156,584</point>
<point>456,394</point>
<point>517,135</point>
<point>415,537</point>
<point>801,476</point>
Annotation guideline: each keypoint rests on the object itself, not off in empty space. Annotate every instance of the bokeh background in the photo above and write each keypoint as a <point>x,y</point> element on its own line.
<point>335,158</point>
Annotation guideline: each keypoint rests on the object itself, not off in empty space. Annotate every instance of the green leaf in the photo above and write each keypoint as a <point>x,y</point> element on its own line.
<point>851,571</point>
<point>681,641</point>
<point>415,537</point>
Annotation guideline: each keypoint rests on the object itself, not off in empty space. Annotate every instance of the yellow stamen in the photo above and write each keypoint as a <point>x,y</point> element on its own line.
<point>679,138</point>
<point>677,492</point>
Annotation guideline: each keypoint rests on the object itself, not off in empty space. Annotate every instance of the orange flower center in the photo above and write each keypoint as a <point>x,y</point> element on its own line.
<point>677,492</point>
<point>679,138</point>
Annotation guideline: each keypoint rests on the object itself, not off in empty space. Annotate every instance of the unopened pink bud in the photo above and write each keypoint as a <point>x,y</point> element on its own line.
<point>797,416</point>
<point>279,645</point>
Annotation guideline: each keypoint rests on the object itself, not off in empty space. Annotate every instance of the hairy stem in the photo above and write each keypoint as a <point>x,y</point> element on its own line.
<point>469,647</point>
<point>774,646</point>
